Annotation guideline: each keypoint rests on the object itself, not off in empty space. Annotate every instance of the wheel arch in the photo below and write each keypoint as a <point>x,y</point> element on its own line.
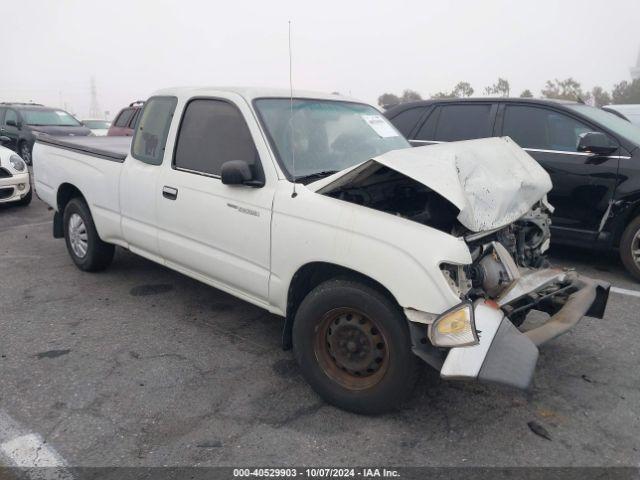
<point>66,192</point>
<point>309,276</point>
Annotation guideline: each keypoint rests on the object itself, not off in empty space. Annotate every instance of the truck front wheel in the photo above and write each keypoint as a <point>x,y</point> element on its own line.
<point>353,347</point>
<point>85,247</point>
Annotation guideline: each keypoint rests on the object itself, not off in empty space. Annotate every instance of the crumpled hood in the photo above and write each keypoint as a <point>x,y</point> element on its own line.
<point>492,181</point>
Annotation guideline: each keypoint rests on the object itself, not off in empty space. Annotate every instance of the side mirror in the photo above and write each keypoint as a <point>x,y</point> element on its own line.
<point>4,139</point>
<point>238,172</point>
<point>595,142</point>
<point>12,123</point>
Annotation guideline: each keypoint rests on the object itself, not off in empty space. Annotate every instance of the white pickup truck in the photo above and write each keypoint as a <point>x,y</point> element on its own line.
<point>379,256</point>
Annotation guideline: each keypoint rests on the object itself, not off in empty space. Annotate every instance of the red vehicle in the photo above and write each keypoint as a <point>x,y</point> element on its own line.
<point>124,124</point>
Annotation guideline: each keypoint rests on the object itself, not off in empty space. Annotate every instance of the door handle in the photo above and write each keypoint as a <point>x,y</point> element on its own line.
<point>169,192</point>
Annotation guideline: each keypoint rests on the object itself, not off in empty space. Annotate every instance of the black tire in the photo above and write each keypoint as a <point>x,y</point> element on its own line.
<point>26,200</point>
<point>98,254</point>
<point>630,243</point>
<point>323,366</point>
<point>24,150</point>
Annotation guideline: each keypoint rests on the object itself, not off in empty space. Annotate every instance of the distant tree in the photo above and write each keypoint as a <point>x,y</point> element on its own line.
<point>500,89</point>
<point>526,94</point>
<point>625,92</point>
<point>388,99</point>
<point>600,97</point>
<point>462,89</point>
<point>567,89</point>
<point>410,96</point>
<point>443,95</point>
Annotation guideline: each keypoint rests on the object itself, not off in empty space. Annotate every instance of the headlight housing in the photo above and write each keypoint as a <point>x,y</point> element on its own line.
<point>17,163</point>
<point>454,328</point>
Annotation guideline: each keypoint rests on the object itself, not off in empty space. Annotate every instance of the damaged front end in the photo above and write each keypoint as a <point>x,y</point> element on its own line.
<point>500,294</point>
<point>492,194</point>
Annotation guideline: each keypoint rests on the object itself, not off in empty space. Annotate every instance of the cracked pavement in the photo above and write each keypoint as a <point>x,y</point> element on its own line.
<point>140,365</point>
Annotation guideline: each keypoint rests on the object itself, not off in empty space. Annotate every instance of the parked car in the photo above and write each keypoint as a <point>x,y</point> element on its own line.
<point>14,177</point>
<point>99,128</point>
<point>628,112</point>
<point>377,255</point>
<point>592,156</point>
<point>125,121</point>
<point>19,122</point>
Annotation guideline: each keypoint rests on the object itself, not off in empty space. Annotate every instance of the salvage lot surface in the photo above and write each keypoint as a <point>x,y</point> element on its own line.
<point>140,365</point>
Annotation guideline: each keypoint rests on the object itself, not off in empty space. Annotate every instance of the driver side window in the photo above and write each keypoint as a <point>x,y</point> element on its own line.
<point>213,132</point>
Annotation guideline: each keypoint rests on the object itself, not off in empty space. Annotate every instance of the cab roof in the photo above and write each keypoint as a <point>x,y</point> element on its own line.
<point>251,93</point>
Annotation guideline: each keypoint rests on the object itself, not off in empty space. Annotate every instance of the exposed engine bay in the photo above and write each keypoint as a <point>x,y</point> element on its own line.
<point>500,256</point>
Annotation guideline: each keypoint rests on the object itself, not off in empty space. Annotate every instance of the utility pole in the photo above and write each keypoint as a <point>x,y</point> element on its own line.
<point>94,110</point>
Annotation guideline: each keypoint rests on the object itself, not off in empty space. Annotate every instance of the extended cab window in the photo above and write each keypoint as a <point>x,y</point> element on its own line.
<point>464,122</point>
<point>150,138</point>
<point>213,132</point>
<point>541,128</point>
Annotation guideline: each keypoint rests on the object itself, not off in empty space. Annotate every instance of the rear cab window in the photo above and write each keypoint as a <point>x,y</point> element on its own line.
<point>150,137</point>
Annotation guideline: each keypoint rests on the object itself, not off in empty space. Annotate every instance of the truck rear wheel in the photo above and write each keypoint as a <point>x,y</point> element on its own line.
<point>353,347</point>
<point>630,247</point>
<point>85,247</point>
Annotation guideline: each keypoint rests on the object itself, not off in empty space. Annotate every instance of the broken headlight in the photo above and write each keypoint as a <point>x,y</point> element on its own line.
<point>454,328</point>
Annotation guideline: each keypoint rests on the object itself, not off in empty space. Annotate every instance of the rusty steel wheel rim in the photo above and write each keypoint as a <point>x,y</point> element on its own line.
<point>351,348</point>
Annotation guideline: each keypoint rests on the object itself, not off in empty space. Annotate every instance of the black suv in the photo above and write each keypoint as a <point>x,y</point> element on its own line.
<point>592,156</point>
<point>18,122</point>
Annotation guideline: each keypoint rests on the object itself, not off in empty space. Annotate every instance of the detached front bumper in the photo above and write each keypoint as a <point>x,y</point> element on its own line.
<point>507,356</point>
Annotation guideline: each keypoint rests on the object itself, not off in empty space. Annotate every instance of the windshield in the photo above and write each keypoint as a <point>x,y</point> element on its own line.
<point>96,124</point>
<point>327,135</point>
<point>611,121</point>
<point>50,118</point>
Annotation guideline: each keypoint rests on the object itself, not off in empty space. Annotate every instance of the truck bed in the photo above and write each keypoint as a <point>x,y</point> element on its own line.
<point>115,149</point>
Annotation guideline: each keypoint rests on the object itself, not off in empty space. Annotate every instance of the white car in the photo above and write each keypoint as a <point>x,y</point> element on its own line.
<point>14,178</point>
<point>379,256</point>
<point>99,128</point>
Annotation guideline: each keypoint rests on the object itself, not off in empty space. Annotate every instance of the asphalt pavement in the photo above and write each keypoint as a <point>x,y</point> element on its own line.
<point>139,365</point>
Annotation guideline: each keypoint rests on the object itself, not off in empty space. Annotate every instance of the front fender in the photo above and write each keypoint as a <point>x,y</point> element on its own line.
<point>401,255</point>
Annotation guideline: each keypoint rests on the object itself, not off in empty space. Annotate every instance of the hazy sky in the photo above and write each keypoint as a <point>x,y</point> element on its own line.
<point>51,48</point>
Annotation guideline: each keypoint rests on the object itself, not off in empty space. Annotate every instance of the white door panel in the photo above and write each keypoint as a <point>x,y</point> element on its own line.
<point>219,231</point>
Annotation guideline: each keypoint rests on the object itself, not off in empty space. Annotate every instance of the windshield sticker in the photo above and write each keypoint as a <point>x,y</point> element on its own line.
<point>380,126</point>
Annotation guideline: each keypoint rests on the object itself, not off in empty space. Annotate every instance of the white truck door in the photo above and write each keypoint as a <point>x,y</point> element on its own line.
<point>217,233</point>
<point>139,191</point>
